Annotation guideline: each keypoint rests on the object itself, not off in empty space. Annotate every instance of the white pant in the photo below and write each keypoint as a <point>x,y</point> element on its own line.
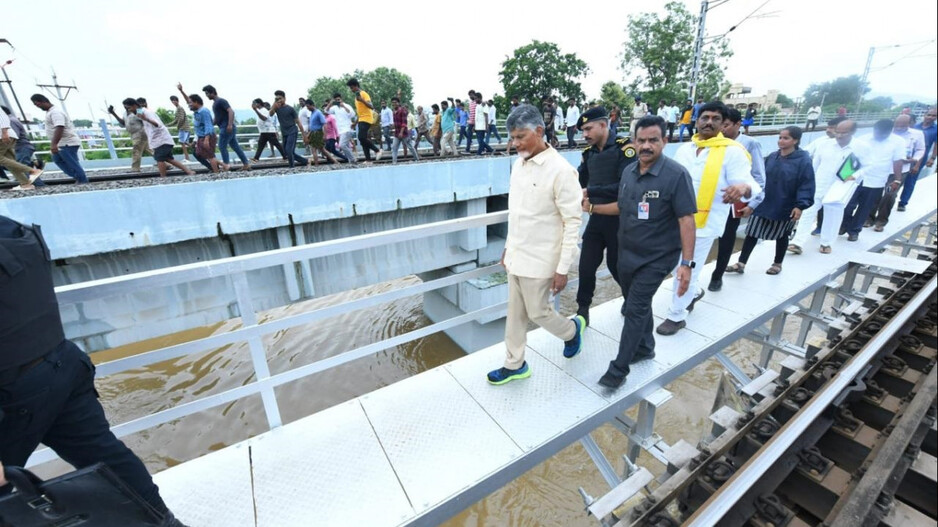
<point>830,228</point>
<point>678,310</point>
<point>809,218</point>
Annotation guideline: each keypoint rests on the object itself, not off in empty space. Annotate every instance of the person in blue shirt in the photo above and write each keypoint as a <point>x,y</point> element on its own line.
<point>462,119</point>
<point>693,116</point>
<point>317,140</point>
<point>930,129</point>
<point>206,139</point>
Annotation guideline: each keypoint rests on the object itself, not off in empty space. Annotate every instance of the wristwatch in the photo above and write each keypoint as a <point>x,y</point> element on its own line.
<point>689,263</point>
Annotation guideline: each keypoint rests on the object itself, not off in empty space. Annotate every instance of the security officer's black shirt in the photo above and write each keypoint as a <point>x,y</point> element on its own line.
<point>30,325</point>
<point>669,192</point>
<point>601,170</point>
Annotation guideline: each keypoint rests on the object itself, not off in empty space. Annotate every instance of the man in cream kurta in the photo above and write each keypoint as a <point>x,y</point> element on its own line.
<point>544,219</point>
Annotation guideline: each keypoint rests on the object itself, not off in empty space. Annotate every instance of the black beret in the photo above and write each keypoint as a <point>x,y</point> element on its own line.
<point>593,114</point>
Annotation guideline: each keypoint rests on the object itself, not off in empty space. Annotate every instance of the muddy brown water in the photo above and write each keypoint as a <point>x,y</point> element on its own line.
<point>544,496</point>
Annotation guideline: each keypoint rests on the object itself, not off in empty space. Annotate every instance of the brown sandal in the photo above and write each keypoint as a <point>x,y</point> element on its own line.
<point>825,249</point>
<point>794,249</point>
<point>738,268</point>
<point>775,269</point>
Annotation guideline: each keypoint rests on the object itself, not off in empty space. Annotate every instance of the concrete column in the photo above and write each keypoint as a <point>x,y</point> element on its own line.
<point>472,239</point>
<point>289,269</point>
<point>306,273</point>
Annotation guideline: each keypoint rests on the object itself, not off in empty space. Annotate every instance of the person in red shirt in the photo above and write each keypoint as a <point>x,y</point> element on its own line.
<point>401,133</point>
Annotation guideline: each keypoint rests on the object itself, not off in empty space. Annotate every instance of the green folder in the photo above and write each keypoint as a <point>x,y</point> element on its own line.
<point>849,168</point>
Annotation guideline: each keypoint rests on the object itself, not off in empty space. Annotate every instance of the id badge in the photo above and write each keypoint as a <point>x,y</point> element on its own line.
<point>643,210</point>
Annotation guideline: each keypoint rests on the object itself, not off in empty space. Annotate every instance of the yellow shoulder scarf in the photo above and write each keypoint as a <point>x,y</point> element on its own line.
<point>711,173</point>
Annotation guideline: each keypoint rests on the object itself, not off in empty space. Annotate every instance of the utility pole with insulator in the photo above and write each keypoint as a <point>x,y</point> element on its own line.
<point>866,74</point>
<point>698,49</point>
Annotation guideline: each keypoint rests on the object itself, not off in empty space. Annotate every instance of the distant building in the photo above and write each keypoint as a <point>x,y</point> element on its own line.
<point>740,97</point>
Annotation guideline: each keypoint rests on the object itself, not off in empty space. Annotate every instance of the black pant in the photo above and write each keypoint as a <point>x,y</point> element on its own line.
<point>638,288</point>
<point>289,147</point>
<point>330,147</point>
<point>670,131</point>
<point>781,247</point>
<point>571,136</point>
<point>883,206</point>
<point>858,210</point>
<point>55,403</point>
<point>725,247</point>
<point>365,141</point>
<point>264,140</point>
<point>601,235</point>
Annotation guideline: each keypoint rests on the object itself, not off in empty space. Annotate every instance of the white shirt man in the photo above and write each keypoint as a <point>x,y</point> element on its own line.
<point>814,113</point>
<point>827,162</point>
<point>673,112</point>
<point>815,146</point>
<point>387,117</point>
<point>344,117</point>
<point>269,125</point>
<point>304,114</point>
<point>736,169</point>
<point>481,113</point>
<point>914,146</point>
<point>492,113</point>
<point>156,135</point>
<point>876,166</point>
<point>572,116</point>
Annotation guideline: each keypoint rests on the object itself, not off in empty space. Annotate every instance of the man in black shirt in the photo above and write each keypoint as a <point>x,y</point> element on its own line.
<point>227,131</point>
<point>290,127</point>
<point>600,172</point>
<point>47,392</point>
<point>656,209</point>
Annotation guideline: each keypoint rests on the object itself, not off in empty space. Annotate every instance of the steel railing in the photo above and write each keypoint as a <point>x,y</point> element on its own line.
<point>251,330</point>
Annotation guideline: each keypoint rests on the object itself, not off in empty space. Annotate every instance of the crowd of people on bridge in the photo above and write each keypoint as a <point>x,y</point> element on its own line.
<point>655,216</point>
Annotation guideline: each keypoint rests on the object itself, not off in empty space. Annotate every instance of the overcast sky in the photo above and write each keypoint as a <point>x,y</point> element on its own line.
<point>115,49</point>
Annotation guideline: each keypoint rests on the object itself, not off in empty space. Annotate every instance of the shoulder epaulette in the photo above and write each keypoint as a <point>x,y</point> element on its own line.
<point>587,149</point>
<point>623,140</point>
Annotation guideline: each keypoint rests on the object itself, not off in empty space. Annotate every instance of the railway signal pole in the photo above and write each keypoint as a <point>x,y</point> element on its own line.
<point>58,91</point>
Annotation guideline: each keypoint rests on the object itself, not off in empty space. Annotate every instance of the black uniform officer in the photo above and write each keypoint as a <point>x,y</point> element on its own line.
<point>47,389</point>
<point>600,172</point>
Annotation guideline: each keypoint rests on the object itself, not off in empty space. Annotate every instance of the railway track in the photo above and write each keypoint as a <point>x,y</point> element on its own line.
<point>845,436</point>
<point>118,175</point>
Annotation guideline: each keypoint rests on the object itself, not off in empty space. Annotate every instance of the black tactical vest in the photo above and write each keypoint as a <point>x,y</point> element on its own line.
<point>30,325</point>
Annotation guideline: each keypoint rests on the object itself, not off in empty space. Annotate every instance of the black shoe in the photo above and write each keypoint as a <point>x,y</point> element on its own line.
<point>610,380</point>
<point>843,230</point>
<point>853,238</point>
<point>900,208</point>
<point>670,327</point>
<point>715,285</point>
<point>694,301</point>
<point>585,313</point>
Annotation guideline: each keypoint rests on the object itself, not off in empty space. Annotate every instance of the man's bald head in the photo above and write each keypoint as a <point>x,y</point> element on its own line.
<point>902,122</point>
<point>844,132</point>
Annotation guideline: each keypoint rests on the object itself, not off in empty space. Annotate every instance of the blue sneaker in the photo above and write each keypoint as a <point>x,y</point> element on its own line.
<point>816,232</point>
<point>572,347</point>
<point>503,375</point>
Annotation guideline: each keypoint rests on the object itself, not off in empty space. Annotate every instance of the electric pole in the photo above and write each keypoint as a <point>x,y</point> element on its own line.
<point>58,91</point>
<point>6,80</point>
<point>698,49</point>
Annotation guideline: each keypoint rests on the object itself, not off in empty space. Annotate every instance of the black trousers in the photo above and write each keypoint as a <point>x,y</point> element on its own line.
<point>55,403</point>
<point>364,141</point>
<point>638,288</point>
<point>265,139</point>
<point>600,235</point>
<point>725,247</point>
<point>670,131</point>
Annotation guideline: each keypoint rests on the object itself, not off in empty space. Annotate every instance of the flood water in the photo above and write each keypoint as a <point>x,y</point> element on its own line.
<point>545,496</point>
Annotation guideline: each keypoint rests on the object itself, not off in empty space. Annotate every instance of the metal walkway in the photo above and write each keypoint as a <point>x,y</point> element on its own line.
<point>420,450</point>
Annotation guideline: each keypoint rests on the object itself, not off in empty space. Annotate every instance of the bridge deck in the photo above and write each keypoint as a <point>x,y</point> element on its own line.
<point>424,448</point>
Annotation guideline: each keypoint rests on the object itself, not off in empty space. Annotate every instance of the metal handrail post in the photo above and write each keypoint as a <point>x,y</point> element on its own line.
<point>256,345</point>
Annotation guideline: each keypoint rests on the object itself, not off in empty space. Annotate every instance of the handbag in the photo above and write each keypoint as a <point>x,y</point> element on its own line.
<point>92,496</point>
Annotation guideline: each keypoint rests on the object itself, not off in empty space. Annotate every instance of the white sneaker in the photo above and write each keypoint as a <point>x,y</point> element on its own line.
<point>34,177</point>
<point>378,155</point>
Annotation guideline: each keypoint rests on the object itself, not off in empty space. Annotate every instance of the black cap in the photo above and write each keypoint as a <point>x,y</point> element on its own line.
<point>593,114</point>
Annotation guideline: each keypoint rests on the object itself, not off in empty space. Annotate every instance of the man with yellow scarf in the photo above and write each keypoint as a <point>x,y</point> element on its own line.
<point>720,169</point>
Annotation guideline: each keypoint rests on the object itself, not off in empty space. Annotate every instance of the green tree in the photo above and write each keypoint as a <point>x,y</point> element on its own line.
<point>381,84</point>
<point>659,55</point>
<point>539,69</point>
<point>82,123</point>
<point>167,116</point>
<point>612,94</point>
<point>840,91</point>
<point>784,101</point>
<point>876,104</point>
